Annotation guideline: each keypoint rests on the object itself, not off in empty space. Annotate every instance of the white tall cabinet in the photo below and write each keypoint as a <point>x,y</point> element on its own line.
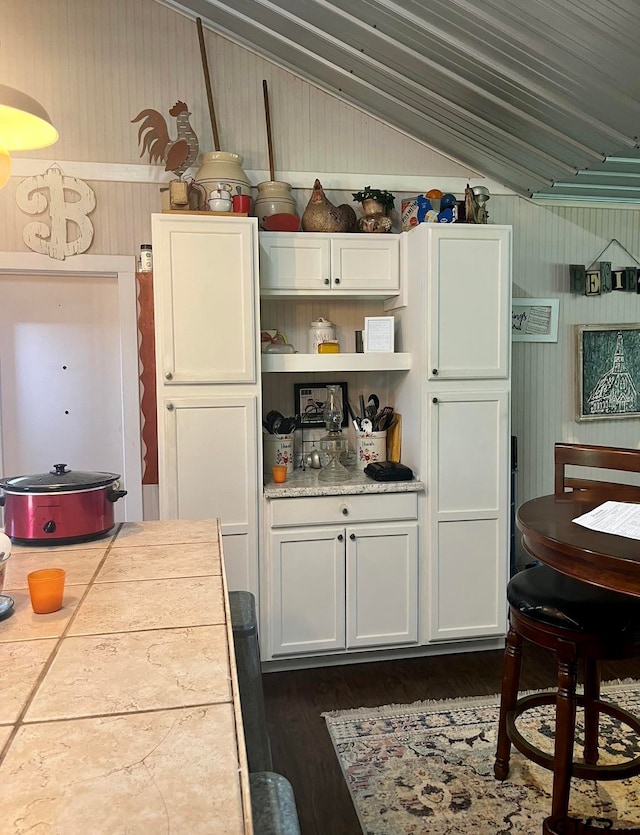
<point>208,380</point>
<point>456,408</point>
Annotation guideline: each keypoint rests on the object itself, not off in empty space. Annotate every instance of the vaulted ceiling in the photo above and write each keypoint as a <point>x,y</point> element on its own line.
<point>540,95</point>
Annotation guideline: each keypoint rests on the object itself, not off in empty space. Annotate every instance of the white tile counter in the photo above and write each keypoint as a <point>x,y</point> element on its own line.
<point>120,712</point>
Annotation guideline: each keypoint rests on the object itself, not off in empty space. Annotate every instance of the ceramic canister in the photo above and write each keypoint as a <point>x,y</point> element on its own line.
<point>273,198</point>
<point>278,449</point>
<point>370,446</point>
<point>222,167</point>
<point>320,331</point>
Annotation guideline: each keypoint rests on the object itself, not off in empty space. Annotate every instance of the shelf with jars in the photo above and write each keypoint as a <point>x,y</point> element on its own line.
<point>335,362</point>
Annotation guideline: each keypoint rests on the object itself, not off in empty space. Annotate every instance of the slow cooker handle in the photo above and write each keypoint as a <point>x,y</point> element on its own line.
<point>2,500</point>
<point>114,495</point>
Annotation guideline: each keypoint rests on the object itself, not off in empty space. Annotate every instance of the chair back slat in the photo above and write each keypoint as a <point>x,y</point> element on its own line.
<point>598,457</point>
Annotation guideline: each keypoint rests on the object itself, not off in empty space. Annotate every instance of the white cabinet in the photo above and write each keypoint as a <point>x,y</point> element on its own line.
<point>208,381</point>
<point>468,530</point>
<point>456,428</point>
<point>468,302</point>
<point>205,299</point>
<point>335,587</point>
<point>312,263</point>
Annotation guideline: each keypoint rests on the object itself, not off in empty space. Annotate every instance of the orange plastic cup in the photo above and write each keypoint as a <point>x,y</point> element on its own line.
<point>46,589</point>
<point>279,472</point>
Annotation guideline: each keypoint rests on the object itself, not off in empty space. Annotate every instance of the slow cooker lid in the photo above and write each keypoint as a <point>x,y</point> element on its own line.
<point>59,479</point>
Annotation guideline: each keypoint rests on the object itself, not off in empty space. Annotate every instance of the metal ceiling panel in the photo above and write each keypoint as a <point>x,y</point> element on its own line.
<point>539,95</point>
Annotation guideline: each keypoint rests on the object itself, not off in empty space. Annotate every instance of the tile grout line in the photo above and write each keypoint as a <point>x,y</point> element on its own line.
<point>54,652</point>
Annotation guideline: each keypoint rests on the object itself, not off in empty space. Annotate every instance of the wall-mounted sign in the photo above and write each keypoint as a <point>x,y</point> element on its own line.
<point>599,277</point>
<point>534,320</point>
<point>49,191</point>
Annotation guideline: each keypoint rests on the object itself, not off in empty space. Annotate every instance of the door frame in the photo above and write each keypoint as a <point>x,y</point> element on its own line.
<point>121,267</point>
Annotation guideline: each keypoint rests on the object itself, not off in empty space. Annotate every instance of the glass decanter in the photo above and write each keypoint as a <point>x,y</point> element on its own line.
<point>334,444</point>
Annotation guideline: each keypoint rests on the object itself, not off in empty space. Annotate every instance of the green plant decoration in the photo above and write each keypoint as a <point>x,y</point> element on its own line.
<point>385,198</point>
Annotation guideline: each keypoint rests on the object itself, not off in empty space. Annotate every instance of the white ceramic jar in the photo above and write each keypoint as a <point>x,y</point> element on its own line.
<point>320,331</point>
<point>273,198</point>
<point>222,167</point>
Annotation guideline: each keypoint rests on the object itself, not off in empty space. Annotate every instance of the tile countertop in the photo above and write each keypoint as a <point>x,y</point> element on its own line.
<point>305,483</point>
<point>120,712</point>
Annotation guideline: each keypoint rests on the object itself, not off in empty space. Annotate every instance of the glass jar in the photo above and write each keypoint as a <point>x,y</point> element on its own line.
<point>332,412</point>
<point>329,346</point>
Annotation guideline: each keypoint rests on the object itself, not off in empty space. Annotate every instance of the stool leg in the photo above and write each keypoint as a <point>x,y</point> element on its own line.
<point>591,712</point>
<point>508,698</point>
<point>565,728</point>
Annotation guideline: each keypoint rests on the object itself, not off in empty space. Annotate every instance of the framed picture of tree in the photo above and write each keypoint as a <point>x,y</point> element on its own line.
<point>608,371</point>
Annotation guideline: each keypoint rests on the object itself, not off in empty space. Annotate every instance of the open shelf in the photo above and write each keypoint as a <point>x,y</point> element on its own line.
<point>335,362</point>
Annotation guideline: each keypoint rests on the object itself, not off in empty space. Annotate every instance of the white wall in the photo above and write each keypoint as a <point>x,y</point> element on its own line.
<point>546,240</point>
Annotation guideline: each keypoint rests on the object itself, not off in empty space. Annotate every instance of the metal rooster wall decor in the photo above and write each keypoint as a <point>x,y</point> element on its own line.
<point>153,135</point>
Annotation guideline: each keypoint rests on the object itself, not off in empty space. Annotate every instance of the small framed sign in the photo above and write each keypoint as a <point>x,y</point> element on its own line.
<point>534,320</point>
<point>378,334</point>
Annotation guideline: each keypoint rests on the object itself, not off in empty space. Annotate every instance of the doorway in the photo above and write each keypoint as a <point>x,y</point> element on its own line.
<point>69,369</point>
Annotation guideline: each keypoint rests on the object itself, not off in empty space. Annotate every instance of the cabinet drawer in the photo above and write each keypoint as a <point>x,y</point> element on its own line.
<point>328,510</point>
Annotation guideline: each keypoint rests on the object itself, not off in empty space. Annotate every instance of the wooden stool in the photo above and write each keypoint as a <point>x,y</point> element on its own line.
<point>578,622</point>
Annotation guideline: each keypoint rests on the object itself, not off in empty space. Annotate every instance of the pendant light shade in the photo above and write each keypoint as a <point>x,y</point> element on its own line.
<point>5,167</point>
<point>24,126</point>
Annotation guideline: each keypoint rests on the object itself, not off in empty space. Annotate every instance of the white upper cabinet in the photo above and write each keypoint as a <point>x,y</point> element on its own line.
<point>468,303</point>
<point>204,285</point>
<point>314,263</point>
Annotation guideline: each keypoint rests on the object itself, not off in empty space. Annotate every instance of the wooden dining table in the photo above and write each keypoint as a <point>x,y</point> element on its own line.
<point>550,535</point>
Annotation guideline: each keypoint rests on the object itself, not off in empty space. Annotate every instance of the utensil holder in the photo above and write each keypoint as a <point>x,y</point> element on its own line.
<point>278,449</point>
<point>370,446</point>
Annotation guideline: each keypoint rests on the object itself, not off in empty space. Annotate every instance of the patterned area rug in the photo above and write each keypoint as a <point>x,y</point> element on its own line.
<point>427,767</point>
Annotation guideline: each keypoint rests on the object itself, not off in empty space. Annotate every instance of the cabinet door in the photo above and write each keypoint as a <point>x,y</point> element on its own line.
<point>382,585</point>
<point>208,468</point>
<point>307,591</point>
<point>294,262</point>
<point>368,264</point>
<point>468,512</point>
<point>469,302</point>
<point>206,308</point>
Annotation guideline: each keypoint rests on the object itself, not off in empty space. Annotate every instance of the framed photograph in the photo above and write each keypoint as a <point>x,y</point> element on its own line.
<point>309,400</point>
<point>534,320</point>
<point>608,371</point>
<point>378,334</point>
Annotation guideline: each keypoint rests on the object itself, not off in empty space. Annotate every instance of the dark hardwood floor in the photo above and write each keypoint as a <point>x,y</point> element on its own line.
<point>301,746</point>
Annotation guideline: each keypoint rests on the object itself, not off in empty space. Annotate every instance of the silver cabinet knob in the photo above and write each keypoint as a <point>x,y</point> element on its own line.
<point>170,407</point>
<point>168,376</point>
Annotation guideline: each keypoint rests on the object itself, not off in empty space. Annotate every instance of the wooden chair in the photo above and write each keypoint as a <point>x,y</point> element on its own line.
<point>596,457</point>
<point>578,622</point>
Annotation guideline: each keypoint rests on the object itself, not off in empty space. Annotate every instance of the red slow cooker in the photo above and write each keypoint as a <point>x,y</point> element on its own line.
<point>59,507</point>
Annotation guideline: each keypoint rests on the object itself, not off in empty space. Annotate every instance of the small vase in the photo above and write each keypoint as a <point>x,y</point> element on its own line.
<point>218,167</point>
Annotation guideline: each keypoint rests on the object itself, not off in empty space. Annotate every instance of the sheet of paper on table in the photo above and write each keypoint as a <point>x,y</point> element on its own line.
<point>621,518</point>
